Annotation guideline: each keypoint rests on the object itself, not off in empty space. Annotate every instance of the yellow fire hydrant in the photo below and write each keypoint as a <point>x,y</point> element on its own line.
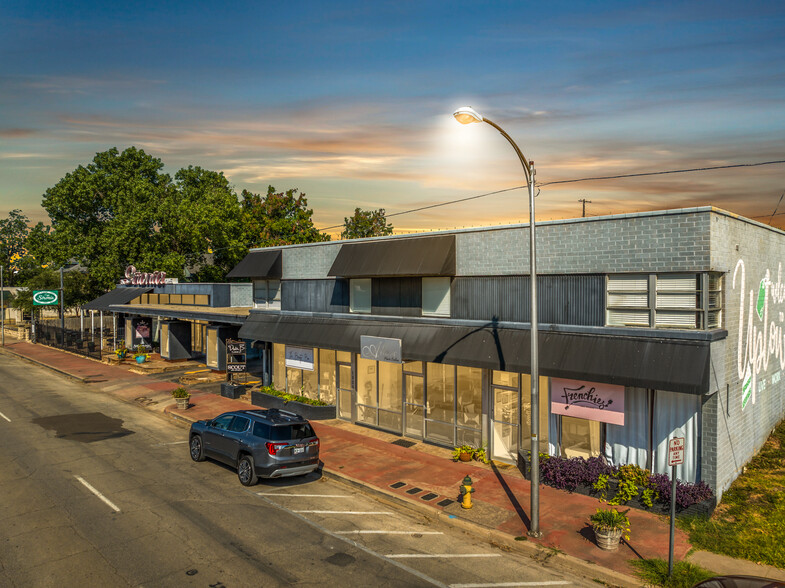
<point>466,492</point>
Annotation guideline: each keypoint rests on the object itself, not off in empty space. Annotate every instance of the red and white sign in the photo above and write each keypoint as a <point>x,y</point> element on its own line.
<point>588,400</point>
<point>676,451</point>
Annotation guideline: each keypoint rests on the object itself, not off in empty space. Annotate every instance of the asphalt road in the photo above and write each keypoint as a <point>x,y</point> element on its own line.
<point>96,492</point>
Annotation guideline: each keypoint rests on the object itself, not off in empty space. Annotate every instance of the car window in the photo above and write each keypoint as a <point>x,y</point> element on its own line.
<point>261,430</point>
<point>222,422</point>
<point>239,424</point>
<point>287,432</point>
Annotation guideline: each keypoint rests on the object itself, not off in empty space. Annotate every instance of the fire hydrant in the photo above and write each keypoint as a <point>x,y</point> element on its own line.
<point>466,492</point>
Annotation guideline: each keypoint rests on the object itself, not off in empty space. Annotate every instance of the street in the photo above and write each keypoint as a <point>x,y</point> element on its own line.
<point>97,492</point>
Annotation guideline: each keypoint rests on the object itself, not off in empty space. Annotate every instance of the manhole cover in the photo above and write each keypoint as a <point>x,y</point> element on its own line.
<point>340,559</point>
<point>404,443</point>
<point>86,427</point>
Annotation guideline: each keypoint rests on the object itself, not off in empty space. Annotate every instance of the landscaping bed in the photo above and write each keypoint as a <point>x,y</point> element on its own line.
<point>268,397</point>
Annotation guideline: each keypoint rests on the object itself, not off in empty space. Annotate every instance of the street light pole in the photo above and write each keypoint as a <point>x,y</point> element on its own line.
<point>467,115</point>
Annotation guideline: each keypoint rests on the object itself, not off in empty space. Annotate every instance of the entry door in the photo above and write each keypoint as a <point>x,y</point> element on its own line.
<point>504,424</point>
<point>345,387</point>
<point>414,405</point>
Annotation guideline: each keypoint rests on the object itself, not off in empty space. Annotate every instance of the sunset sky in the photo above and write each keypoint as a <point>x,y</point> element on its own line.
<point>351,102</point>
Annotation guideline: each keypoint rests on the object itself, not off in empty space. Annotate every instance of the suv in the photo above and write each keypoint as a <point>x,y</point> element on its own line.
<point>259,443</point>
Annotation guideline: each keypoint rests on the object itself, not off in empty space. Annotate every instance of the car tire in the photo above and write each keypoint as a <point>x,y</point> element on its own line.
<point>196,448</point>
<point>246,471</point>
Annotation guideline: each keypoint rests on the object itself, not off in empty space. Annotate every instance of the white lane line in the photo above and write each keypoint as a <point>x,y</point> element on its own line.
<point>388,533</point>
<point>440,555</point>
<point>5,417</point>
<point>172,443</point>
<point>343,512</point>
<point>303,495</point>
<point>98,494</point>
<point>512,584</point>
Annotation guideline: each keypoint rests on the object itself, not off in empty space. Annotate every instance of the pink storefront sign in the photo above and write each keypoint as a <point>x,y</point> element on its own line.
<point>588,400</point>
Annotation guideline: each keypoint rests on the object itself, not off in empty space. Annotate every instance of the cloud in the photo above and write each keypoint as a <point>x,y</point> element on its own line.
<point>16,133</point>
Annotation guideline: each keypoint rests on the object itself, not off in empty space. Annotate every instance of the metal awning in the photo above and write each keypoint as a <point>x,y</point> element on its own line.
<point>676,365</point>
<point>418,256</point>
<point>220,315</point>
<point>121,295</point>
<point>258,264</point>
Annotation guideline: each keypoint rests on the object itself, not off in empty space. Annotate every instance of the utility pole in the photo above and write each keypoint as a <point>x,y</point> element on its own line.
<point>2,303</point>
<point>62,307</point>
<point>584,201</point>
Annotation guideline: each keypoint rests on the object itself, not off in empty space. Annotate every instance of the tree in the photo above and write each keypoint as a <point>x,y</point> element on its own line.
<point>366,223</point>
<point>79,288</point>
<point>13,237</point>
<point>279,218</point>
<point>122,210</point>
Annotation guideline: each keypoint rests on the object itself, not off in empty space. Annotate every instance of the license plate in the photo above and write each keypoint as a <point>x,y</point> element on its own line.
<point>298,450</point>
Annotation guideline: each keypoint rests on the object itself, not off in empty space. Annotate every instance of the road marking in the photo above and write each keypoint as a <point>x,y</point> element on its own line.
<point>511,584</point>
<point>172,443</point>
<point>98,494</point>
<point>5,417</point>
<point>440,555</point>
<point>304,495</point>
<point>197,371</point>
<point>389,533</point>
<point>343,512</point>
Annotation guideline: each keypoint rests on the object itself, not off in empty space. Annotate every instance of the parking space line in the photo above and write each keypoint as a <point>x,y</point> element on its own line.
<point>344,512</point>
<point>98,494</point>
<point>171,443</point>
<point>389,532</point>
<point>304,495</point>
<point>513,584</point>
<point>440,555</point>
<point>5,417</point>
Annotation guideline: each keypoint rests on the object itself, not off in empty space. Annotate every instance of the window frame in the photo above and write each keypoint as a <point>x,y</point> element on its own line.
<point>353,302</point>
<point>444,308</point>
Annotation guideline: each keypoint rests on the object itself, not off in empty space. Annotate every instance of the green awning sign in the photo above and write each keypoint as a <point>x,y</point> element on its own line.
<point>45,297</point>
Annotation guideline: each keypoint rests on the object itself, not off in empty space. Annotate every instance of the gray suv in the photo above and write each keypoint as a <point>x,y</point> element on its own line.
<point>259,443</point>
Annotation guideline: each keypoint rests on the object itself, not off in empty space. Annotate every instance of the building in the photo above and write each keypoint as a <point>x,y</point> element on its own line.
<point>652,326</point>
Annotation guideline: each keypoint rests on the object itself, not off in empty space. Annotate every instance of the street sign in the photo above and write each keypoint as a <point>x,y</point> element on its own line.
<point>45,298</point>
<point>676,451</point>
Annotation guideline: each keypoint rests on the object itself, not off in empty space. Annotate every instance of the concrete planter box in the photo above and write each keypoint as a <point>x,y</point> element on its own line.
<point>233,391</point>
<point>312,413</point>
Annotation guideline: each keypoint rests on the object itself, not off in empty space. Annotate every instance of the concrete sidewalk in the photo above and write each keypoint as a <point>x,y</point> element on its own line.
<point>424,477</point>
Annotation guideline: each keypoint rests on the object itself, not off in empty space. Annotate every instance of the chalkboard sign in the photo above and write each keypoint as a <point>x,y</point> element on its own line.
<point>236,347</point>
<point>235,356</point>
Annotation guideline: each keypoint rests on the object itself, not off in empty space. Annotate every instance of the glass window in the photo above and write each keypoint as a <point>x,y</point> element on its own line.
<point>222,422</point>
<point>294,381</point>
<point>360,295</point>
<point>327,376</point>
<point>202,300</point>
<point>343,356</point>
<point>628,300</point>
<point>436,296</point>
<point>279,366</point>
<point>579,437</point>
<point>212,348</point>
<point>175,299</point>
<point>440,396</point>
<point>188,299</point>
<point>239,424</point>
<point>310,379</point>
<point>165,339</point>
<point>163,299</point>
<point>414,367</point>
<point>469,394</point>
<point>267,294</point>
<point>390,386</point>
<point>366,381</point>
<point>261,430</point>
<point>291,432</point>
<point>509,379</point>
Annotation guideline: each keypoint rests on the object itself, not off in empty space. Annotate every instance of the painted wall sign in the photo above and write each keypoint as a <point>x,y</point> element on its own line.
<point>299,357</point>
<point>763,335</point>
<point>135,278</point>
<point>380,348</point>
<point>45,297</point>
<point>588,400</point>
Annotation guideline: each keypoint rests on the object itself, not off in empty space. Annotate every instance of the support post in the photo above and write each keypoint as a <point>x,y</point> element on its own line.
<point>101,331</point>
<point>673,520</point>
<point>2,303</point>
<point>62,307</point>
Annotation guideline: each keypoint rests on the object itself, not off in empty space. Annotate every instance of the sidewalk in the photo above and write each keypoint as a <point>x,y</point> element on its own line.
<point>424,477</point>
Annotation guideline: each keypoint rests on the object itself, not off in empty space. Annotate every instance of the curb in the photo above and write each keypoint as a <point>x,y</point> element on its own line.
<point>543,555</point>
<point>7,351</point>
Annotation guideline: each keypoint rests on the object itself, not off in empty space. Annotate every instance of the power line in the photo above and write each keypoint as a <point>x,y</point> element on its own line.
<point>776,207</point>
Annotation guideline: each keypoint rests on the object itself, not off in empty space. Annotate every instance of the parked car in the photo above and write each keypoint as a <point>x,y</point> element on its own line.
<point>259,443</point>
<point>739,582</point>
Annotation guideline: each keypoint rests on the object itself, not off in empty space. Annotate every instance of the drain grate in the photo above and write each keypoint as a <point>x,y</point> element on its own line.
<point>398,485</point>
<point>445,502</point>
<point>404,443</point>
<point>414,490</point>
<point>429,496</point>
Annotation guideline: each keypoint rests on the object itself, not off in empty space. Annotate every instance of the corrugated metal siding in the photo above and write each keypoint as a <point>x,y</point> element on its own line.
<point>315,295</point>
<point>564,300</point>
<point>396,296</point>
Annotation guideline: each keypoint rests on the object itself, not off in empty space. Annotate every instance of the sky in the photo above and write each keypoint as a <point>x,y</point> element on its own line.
<point>351,102</point>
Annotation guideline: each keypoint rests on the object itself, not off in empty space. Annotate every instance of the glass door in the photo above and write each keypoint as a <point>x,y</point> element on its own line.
<point>504,446</point>
<point>414,405</point>
<point>345,385</point>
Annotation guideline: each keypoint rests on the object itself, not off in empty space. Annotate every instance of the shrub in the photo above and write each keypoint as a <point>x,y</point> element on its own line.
<point>180,392</point>
<point>568,474</point>
<point>289,397</point>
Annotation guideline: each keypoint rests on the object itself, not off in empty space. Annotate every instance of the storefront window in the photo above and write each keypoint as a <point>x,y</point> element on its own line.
<point>526,412</point>
<point>366,381</point>
<point>294,381</point>
<point>310,379</point>
<point>279,366</point>
<point>327,376</point>
<point>469,396</point>
<point>390,386</point>
<point>441,392</point>
<point>579,437</point>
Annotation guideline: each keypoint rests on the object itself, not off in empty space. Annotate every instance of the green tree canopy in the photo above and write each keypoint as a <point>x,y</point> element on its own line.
<point>279,218</point>
<point>366,223</point>
<point>13,238</point>
<point>79,288</point>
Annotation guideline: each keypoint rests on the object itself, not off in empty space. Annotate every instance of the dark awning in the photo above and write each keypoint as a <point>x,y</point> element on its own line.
<point>676,365</point>
<point>418,256</point>
<point>121,295</point>
<point>258,264</point>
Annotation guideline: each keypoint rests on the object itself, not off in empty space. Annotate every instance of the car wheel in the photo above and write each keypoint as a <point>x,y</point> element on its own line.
<point>197,451</point>
<point>246,471</point>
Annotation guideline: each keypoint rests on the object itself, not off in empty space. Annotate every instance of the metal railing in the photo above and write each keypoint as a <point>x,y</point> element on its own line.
<point>73,340</point>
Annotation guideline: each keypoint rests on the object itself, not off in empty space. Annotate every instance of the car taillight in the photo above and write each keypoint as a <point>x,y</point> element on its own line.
<point>317,443</point>
<point>272,448</point>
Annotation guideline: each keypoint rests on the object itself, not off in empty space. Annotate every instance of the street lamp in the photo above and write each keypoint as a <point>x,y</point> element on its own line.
<point>467,115</point>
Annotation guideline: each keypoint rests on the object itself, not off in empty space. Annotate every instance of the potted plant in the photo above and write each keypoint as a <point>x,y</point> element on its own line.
<point>609,526</point>
<point>463,453</point>
<point>121,352</point>
<point>141,354</point>
<point>182,397</point>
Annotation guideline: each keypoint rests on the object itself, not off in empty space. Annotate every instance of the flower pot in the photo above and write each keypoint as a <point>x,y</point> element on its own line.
<point>182,403</point>
<point>608,539</point>
<point>140,359</point>
<point>465,457</point>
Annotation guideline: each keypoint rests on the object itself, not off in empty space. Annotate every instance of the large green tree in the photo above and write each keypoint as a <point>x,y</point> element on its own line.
<point>366,223</point>
<point>79,288</point>
<point>122,210</point>
<point>13,238</point>
<point>279,218</point>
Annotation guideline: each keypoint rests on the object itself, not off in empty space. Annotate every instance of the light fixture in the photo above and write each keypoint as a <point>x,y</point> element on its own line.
<point>466,115</point>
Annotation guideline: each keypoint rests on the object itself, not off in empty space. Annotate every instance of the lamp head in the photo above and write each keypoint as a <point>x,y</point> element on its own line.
<point>466,115</point>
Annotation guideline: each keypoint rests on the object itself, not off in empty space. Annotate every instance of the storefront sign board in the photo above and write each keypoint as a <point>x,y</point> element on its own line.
<point>676,451</point>
<point>380,348</point>
<point>46,297</point>
<point>588,400</point>
<point>299,357</point>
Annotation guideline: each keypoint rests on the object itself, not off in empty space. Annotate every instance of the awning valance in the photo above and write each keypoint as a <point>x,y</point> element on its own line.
<point>418,256</point>
<point>258,264</point>
<point>121,295</point>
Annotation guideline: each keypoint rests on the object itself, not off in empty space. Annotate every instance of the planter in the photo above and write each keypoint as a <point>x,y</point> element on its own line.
<point>312,413</point>
<point>182,403</point>
<point>608,539</point>
<point>140,359</point>
<point>233,391</point>
<point>465,457</point>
